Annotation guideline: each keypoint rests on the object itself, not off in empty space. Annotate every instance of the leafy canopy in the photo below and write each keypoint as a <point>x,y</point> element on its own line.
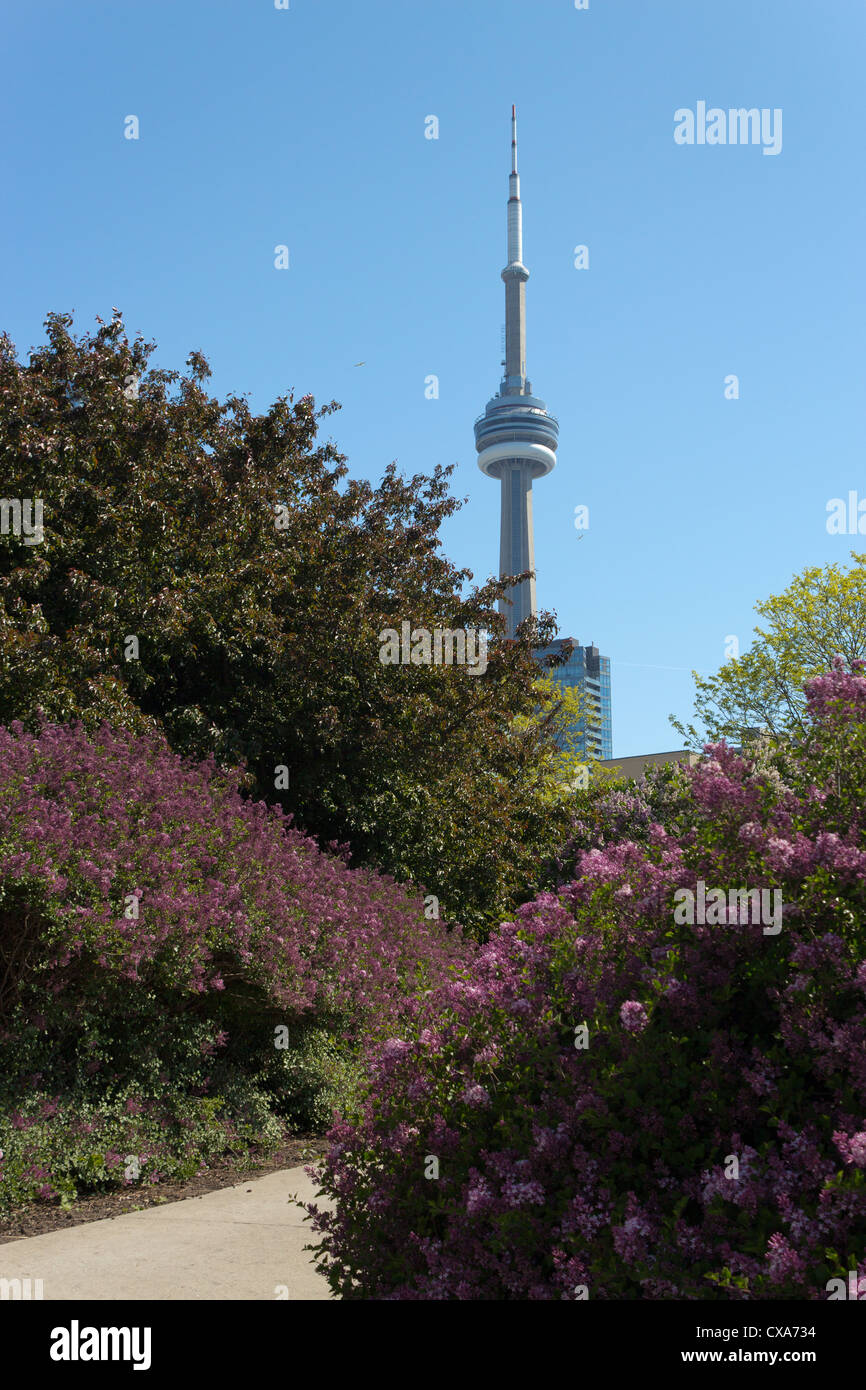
<point>820,615</point>
<point>255,578</point>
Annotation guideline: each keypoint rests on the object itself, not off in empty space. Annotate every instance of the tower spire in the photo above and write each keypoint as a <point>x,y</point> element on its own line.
<point>515,276</point>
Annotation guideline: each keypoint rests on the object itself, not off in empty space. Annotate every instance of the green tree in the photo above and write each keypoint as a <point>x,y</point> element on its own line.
<point>216,574</point>
<point>820,615</point>
<point>561,764</point>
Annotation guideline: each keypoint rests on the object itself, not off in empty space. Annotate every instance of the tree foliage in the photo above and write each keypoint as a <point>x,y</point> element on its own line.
<point>821,615</point>
<point>255,578</point>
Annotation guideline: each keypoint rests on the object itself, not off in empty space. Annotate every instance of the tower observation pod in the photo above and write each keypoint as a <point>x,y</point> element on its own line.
<point>516,438</point>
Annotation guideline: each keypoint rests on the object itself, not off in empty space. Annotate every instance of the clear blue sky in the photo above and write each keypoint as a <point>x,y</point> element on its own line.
<point>306,126</point>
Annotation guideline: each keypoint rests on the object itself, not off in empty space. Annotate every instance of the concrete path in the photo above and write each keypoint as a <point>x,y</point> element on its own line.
<point>242,1242</point>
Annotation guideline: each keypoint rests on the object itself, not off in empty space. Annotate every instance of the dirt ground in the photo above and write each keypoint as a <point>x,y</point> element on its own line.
<point>35,1220</point>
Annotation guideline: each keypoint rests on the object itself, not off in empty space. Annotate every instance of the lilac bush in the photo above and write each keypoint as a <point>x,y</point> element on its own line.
<point>168,945</point>
<point>123,861</point>
<point>614,1101</point>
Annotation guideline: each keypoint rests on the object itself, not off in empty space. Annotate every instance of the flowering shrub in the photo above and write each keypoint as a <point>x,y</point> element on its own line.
<point>607,813</point>
<point>120,861</point>
<point>158,933</point>
<point>611,1102</point>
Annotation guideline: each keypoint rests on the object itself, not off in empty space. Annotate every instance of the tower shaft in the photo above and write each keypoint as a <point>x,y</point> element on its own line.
<point>517,542</point>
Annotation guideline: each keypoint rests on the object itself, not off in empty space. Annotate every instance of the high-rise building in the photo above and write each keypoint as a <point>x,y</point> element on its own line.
<point>516,437</point>
<point>588,673</point>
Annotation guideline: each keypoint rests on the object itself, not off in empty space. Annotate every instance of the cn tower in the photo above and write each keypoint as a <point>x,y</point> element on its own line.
<point>516,438</point>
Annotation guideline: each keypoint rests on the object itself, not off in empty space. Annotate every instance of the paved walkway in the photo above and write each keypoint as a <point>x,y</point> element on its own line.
<point>239,1242</point>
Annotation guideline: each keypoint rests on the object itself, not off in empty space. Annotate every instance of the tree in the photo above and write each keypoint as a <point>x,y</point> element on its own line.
<point>562,765</point>
<point>215,574</point>
<point>820,615</point>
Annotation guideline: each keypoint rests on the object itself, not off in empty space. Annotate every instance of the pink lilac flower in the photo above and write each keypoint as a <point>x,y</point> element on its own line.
<point>634,1016</point>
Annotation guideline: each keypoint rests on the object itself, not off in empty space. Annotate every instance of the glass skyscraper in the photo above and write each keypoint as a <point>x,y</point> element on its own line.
<point>587,672</point>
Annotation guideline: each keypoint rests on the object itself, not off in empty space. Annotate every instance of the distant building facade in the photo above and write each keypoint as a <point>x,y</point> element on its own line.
<point>637,765</point>
<point>588,673</point>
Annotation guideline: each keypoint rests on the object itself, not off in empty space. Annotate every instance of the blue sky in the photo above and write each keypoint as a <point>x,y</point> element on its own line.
<point>305,127</point>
